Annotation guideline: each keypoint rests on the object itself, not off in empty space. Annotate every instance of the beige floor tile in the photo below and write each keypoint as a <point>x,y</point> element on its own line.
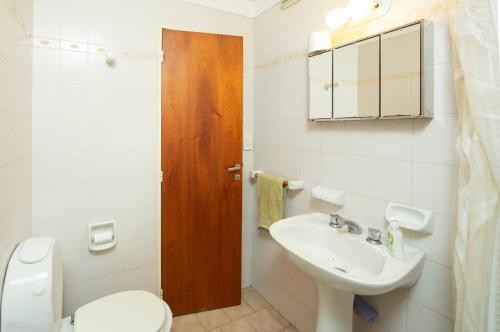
<point>278,316</point>
<point>264,321</point>
<point>217,330</point>
<point>289,329</point>
<point>187,323</point>
<point>239,326</point>
<point>255,300</point>
<point>213,319</point>
<point>246,289</point>
<point>239,311</point>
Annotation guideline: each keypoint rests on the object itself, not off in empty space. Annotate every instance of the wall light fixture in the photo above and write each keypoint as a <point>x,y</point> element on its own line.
<point>356,12</point>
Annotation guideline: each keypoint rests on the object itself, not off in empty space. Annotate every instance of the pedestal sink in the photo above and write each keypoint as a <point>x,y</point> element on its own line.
<point>342,264</point>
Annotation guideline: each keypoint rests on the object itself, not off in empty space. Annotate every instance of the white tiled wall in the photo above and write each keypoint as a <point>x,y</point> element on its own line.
<point>96,134</point>
<point>406,161</point>
<point>96,143</point>
<point>15,119</point>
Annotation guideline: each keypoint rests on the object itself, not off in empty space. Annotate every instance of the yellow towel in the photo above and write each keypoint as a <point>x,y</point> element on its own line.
<point>270,193</point>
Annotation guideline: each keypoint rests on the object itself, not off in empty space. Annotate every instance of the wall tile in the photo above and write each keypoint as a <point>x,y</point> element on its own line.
<point>360,138</point>
<point>435,140</point>
<point>333,136</point>
<point>438,246</point>
<point>421,318</point>
<point>47,20</point>
<point>15,93</point>
<point>124,257</point>
<point>75,295</point>
<point>46,66</point>
<point>392,308</point>
<point>114,283</point>
<point>442,40</point>
<point>100,29</point>
<point>393,181</point>
<point>96,136</point>
<point>74,67</point>
<point>15,122</point>
<point>76,267</point>
<point>393,139</point>
<point>435,188</point>
<point>434,289</point>
<point>408,161</point>
<point>149,278</point>
<point>74,21</point>
<point>360,175</point>
<point>365,210</point>
<point>15,199</point>
<point>306,319</point>
<point>333,171</point>
<point>444,90</point>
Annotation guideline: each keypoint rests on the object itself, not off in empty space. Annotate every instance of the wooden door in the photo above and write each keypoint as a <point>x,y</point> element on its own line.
<point>202,106</point>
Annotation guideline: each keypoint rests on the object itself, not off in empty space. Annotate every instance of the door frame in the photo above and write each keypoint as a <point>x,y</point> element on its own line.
<point>160,132</point>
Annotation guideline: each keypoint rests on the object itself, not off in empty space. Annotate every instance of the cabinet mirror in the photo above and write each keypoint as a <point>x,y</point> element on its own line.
<point>356,80</point>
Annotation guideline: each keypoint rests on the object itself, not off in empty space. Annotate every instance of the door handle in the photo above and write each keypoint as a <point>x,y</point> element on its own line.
<point>236,168</point>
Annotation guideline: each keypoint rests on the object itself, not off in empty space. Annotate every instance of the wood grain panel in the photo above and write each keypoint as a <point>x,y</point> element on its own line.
<point>202,106</point>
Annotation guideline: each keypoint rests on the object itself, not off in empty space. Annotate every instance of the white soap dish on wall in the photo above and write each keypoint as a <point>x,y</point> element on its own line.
<point>410,218</point>
<point>102,236</point>
<point>329,195</point>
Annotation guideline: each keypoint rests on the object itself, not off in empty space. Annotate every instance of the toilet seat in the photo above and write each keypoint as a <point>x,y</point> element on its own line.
<point>130,311</point>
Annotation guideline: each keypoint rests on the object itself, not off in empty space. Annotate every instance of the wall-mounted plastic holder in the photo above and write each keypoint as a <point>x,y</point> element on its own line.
<point>102,236</point>
<point>329,195</point>
<point>410,218</point>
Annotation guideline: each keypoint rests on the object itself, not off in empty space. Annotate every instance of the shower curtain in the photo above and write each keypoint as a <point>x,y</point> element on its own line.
<point>474,30</point>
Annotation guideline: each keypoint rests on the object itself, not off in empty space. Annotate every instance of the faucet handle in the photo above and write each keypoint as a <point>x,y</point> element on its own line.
<point>336,221</point>
<point>374,236</point>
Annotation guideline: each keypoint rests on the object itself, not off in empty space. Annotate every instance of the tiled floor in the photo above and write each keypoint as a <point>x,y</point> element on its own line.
<point>254,314</point>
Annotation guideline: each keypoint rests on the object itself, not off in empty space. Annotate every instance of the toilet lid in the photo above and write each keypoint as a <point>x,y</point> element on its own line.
<point>125,312</point>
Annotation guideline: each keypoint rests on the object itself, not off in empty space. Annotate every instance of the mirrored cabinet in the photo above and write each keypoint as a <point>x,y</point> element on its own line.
<point>407,85</point>
<point>389,75</point>
<point>356,80</point>
<point>320,86</point>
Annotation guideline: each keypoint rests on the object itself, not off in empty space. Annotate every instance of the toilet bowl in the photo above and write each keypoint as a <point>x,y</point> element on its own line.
<point>31,282</point>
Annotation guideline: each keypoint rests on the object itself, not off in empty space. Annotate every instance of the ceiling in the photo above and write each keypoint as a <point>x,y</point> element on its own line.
<point>250,8</point>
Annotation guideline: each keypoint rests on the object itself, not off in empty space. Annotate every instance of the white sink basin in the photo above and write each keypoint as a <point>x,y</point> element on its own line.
<point>343,264</point>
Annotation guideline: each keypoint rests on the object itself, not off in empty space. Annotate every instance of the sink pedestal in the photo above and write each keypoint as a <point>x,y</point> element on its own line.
<point>334,310</point>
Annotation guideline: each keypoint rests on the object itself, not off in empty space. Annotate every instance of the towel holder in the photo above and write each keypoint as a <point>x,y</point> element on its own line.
<point>288,184</point>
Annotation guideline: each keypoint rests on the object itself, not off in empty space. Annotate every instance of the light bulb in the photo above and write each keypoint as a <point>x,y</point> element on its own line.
<point>337,18</point>
<point>360,8</point>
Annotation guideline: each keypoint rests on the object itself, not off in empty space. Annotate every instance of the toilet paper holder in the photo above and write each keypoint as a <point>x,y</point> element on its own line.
<point>102,236</point>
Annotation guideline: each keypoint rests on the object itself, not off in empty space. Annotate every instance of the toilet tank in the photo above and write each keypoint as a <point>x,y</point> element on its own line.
<point>32,290</point>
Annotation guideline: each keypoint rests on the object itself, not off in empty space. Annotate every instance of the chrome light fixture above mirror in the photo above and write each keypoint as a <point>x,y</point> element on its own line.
<point>356,12</point>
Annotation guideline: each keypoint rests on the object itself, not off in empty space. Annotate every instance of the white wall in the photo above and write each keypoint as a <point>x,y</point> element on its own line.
<point>96,133</point>
<point>406,161</point>
<point>15,119</point>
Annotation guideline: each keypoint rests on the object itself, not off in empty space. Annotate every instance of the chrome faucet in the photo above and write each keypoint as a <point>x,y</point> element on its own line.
<point>339,222</point>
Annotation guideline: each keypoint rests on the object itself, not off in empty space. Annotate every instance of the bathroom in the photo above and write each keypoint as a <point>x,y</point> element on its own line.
<point>91,159</point>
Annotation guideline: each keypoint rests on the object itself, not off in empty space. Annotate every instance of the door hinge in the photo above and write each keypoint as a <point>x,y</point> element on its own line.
<point>161,293</point>
<point>161,56</point>
<point>161,176</point>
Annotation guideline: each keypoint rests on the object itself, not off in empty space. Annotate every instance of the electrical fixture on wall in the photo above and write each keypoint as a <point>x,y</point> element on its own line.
<point>356,12</point>
<point>287,3</point>
<point>111,58</point>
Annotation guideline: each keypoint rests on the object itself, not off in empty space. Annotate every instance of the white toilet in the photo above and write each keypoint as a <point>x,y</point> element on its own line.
<point>31,286</point>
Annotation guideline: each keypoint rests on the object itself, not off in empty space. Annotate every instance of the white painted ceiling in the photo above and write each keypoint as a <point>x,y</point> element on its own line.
<point>250,8</point>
